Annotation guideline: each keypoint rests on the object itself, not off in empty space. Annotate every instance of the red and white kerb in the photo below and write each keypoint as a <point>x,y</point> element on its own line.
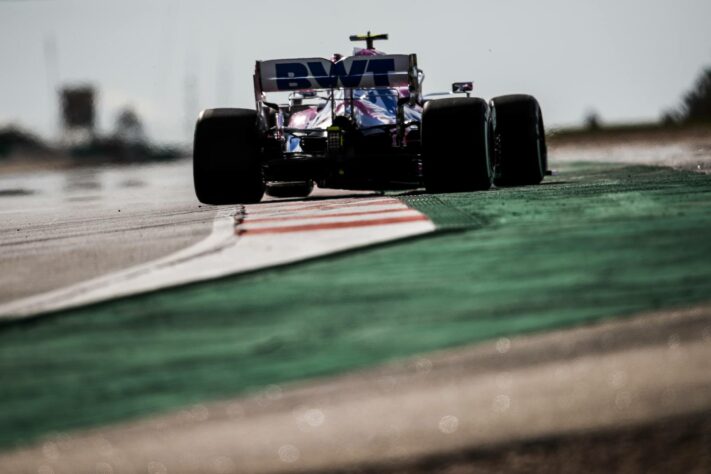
<point>316,216</point>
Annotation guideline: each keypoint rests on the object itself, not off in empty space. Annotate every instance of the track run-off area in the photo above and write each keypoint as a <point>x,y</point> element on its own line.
<point>517,315</point>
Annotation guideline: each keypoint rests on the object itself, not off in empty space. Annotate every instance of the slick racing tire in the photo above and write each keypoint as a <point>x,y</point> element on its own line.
<point>298,189</point>
<point>519,140</point>
<point>226,157</point>
<point>455,145</point>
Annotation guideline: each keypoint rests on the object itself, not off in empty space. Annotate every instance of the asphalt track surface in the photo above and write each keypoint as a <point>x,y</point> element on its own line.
<point>62,228</point>
<point>612,380</point>
<point>246,239</point>
<point>109,234</point>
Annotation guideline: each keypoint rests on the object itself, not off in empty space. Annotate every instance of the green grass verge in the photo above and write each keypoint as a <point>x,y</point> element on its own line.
<point>594,242</point>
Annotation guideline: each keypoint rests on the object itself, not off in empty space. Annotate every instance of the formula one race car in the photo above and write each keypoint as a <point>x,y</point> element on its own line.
<point>362,123</point>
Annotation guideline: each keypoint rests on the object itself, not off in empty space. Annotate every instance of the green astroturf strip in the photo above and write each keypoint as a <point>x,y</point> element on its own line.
<point>594,242</point>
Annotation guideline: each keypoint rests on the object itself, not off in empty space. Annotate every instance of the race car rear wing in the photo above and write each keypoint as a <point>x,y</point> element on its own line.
<point>393,70</point>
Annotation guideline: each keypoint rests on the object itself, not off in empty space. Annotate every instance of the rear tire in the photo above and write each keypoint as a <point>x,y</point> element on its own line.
<point>290,190</point>
<point>519,140</point>
<point>226,157</point>
<point>455,145</point>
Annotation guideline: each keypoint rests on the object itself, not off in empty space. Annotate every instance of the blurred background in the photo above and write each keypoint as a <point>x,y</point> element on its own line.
<point>123,77</point>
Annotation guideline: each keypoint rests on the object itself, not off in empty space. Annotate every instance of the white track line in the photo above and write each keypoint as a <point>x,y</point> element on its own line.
<point>259,236</point>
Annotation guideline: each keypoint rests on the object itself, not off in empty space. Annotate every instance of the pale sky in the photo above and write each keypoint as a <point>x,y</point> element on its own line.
<point>627,59</point>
